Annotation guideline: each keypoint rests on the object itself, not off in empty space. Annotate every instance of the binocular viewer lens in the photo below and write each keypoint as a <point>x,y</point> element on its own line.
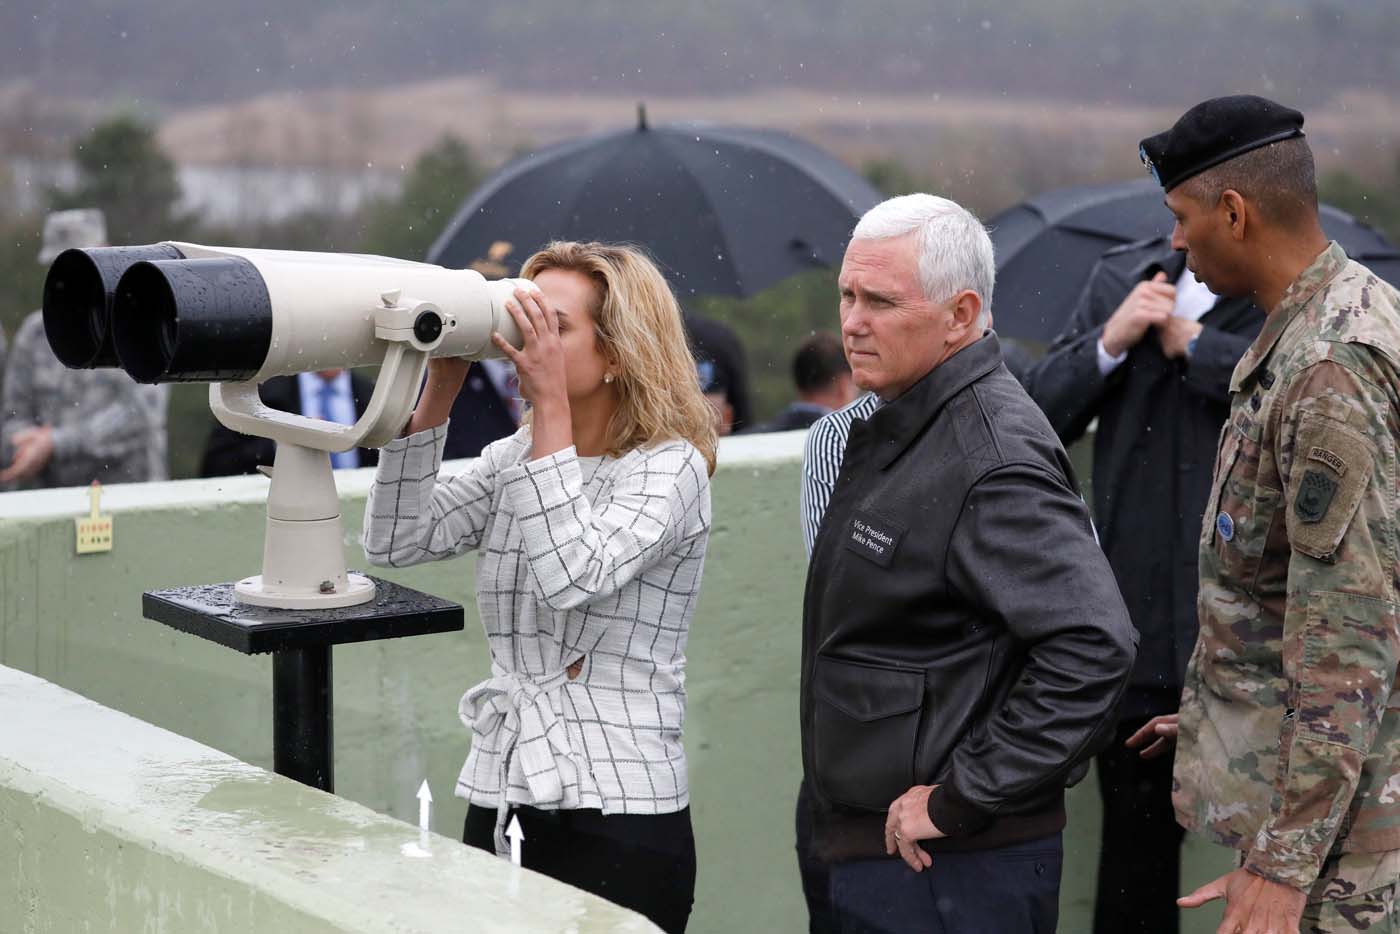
<point>78,296</point>
<point>159,316</point>
<point>192,320</point>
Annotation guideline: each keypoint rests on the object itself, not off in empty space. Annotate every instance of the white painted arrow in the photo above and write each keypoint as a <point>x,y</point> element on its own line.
<point>516,836</point>
<point>425,804</point>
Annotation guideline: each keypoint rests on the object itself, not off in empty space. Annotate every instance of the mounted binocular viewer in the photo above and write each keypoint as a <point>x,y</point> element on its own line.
<point>180,312</point>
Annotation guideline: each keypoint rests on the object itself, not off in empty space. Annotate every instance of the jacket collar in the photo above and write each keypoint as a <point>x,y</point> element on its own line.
<point>1297,297</point>
<point>897,423</point>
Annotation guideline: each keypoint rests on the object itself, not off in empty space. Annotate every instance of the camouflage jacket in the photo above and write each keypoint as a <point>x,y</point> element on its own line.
<point>1289,747</point>
<point>106,426</point>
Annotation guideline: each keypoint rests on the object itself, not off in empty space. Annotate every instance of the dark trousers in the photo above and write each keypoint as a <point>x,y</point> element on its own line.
<point>1140,850</point>
<point>816,881</point>
<point>1012,889</point>
<point>645,862</point>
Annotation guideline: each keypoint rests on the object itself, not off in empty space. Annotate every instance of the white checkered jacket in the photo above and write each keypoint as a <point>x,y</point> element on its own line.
<point>596,558</point>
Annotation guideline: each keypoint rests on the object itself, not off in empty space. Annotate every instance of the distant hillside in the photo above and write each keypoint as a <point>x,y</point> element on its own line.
<point>153,52</point>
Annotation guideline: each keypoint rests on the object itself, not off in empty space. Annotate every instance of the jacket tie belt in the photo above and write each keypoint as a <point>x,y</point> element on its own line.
<point>514,709</point>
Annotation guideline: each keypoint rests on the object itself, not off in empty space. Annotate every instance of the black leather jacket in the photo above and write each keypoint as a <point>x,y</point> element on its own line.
<point>960,627</point>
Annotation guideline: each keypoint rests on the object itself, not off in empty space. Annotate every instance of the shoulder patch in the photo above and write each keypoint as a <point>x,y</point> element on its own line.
<point>1331,471</point>
<point>1314,496</point>
<point>1331,458</point>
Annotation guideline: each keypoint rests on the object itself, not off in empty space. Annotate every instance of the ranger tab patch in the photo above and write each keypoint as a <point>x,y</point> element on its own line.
<point>1314,495</point>
<point>1330,458</point>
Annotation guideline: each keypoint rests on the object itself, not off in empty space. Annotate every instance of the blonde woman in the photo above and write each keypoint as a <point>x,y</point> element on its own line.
<point>591,522</point>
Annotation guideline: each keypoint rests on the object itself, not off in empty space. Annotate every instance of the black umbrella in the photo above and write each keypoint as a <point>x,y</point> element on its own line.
<point>1047,246</point>
<point>724,210</point>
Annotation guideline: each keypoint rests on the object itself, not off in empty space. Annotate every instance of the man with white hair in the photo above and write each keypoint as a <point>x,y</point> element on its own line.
<point>964,641</point>
<point>61,427</point>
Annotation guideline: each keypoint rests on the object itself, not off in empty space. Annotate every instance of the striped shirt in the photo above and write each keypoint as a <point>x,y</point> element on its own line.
<point>821,461</point>
<point>581,558</point>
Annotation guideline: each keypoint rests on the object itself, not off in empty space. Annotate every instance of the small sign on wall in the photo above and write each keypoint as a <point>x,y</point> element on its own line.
<point>94,530</point>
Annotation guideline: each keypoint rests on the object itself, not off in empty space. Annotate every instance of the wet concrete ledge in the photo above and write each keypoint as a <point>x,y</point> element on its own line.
<point>111,824</point>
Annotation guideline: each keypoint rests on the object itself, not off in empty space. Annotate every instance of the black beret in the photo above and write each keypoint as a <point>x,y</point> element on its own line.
<point>1216,131</point>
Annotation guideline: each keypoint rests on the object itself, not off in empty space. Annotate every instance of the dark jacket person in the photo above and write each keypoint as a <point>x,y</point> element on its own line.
<point>229,453</point>
<point>1148,351</point>
<point>964,641</point>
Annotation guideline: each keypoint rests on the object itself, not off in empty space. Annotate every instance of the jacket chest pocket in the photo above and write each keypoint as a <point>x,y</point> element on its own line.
<point>1242,509</point>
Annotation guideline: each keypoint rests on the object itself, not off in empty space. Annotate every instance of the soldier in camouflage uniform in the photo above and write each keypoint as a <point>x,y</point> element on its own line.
<point>62,427</point>
<point>1289,733</point>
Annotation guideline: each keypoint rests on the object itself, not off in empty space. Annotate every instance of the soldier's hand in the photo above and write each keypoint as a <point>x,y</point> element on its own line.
<point>1149,303</point>
<point>1161,730</point>
<point>1175,333</point>
<point>33,451</point>
<point>1253,904</point>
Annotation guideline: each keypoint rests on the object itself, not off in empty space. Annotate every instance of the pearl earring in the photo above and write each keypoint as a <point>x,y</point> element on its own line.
<point>607,377</point>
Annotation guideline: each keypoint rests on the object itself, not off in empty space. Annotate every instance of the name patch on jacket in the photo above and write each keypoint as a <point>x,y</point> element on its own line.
<point>873,537</point>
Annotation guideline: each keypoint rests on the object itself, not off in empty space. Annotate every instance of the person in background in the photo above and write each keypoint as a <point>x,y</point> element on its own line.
<point>719,362</point>
<point>591,523</point>
<point>1289,732</point>
<point>823,380</point>
<point>62,427</point>
<point>1148,351</point>
<point>487,409</point>
<point>337,395</point>
<point>964,640</point>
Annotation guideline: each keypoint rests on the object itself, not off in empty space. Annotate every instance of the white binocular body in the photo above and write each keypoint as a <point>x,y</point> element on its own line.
<point>181,312</point>
<point>233,317</point>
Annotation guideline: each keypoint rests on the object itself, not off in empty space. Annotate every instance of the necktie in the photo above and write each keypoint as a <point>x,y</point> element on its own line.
<point>326,397</point>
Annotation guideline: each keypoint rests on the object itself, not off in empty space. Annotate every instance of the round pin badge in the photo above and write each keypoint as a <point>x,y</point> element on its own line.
<point>1225,526</point>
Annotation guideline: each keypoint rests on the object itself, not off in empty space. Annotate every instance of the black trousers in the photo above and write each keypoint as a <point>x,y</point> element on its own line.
<point>1140,849</point>
<point>645,862</point>
<point>816,875</point>
<point>1011,889</point>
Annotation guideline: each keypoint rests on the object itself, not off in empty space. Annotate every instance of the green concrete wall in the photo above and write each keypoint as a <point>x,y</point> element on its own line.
<point>76,620</point>
<point>111,824</point>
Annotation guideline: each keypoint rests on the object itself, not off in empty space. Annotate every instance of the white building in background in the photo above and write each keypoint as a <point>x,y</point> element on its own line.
<point>223,194</point>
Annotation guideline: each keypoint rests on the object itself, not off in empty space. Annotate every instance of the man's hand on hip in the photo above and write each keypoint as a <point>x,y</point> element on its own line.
<point>1253,904</point>
<point>908,822</point>
<point>1148,304</point>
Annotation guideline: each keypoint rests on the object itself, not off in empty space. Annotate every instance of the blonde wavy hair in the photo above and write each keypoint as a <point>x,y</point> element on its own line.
<point>638,325</point>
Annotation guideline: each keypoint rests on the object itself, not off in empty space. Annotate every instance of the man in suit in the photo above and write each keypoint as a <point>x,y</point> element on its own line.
<point>823,380</point>
<point>487,408</point>
<point>1149,352</point>
<point>334,395</point>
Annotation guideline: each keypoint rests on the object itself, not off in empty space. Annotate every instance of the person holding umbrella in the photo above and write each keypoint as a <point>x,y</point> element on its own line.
<point>1148,351</point>
<point>592,523</point>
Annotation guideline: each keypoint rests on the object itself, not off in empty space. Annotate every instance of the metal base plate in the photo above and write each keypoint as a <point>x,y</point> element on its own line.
<point>214,612</point>
<point>358,589</point>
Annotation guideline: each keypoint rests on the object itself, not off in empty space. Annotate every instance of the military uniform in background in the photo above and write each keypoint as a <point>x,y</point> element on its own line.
<point>107,427</point>
<point>1289,746</point>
